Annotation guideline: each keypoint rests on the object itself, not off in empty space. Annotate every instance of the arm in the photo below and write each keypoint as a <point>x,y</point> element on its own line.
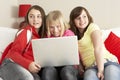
<point>98,51</point>
<point>15,53</point>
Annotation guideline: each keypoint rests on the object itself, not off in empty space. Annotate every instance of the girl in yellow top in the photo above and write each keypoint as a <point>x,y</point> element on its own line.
<point>98,62</point>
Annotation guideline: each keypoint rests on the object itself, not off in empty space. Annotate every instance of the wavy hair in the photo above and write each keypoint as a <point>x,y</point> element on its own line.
<point>73,15</point>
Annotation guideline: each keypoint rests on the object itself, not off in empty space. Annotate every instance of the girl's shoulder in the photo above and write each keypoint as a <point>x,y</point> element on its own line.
<point>68,33</point>
<point>26,29</point>
<point>92,27</point>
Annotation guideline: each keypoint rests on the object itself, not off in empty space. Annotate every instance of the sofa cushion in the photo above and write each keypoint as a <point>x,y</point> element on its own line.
<point>112,44</point>
<point>6,36</point>
<point>106,32</point>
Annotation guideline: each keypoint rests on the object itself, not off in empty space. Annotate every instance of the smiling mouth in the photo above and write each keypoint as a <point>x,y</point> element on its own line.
<point>35,23</point>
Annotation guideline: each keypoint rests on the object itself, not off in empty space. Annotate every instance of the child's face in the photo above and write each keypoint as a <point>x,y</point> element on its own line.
<point>55,30</point>
<point>81,21</point>
<point>35,18</point>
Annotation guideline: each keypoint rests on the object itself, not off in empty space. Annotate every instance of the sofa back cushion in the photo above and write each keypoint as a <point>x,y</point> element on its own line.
<point>6,36</point>
<point>106,32</point>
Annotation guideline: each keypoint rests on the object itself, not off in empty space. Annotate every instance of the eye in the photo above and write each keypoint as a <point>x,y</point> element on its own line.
<point>57,26</point>
<point>84,16</point>
<point>51,27</point>
<point>78,18</point>
<point>39,16</point>
<point>31,16</point>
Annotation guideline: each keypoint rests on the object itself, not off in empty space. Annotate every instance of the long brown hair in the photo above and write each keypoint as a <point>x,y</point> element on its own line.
<point>74,14</point>
<point>42,30</point>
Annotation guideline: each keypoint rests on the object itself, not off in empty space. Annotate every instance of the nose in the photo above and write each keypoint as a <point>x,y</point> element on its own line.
<point>34,18</point>
<point>55,29</point>
<point>82,20</point>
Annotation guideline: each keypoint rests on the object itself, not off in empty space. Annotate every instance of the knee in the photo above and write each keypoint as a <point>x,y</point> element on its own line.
<point>49,73</point>
<point>90,74</point>
<point>112,68</point>
<point>49,70</point>
<point>90,71</point>
<point>112,72</point>
<point>66,69</point>
<point>68,73</point>
<point>28,76</point>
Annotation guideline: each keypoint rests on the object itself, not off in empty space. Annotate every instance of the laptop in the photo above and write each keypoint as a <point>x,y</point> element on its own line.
<point>58,51</point>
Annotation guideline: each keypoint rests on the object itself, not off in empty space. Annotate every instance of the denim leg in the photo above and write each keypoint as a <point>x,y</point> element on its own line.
<point>36,76</point>
<point>49,73</point>
<point>91,74</point>
<point>112,72</point>
<point>12,71</point>
<point>69,73</point>
<point>1,78</point>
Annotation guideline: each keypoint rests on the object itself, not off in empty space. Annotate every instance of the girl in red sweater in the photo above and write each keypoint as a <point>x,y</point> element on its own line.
<point>19,63</point>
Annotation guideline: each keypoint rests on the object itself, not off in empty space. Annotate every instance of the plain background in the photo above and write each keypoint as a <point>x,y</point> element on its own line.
<point>105,13</point>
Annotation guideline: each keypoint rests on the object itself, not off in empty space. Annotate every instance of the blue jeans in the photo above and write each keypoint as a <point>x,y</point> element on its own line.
<point>111,72</point>
<point>12,71</point>
<point>60,73</point>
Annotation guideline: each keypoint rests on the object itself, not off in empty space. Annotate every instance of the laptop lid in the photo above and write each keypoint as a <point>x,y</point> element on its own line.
<point>58,51</point>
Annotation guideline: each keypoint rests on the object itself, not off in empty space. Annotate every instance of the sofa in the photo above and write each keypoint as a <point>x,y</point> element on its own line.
<point>7,35</point>
<point>111,39</point>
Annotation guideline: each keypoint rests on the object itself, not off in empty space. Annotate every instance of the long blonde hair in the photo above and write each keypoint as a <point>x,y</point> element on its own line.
<point>56,17</point>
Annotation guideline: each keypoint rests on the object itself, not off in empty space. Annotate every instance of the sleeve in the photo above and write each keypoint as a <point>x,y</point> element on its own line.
<point>16,52</point>
<point>92,27</point>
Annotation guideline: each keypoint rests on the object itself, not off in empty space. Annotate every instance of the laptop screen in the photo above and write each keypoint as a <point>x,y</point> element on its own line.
<point>58,51</point>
